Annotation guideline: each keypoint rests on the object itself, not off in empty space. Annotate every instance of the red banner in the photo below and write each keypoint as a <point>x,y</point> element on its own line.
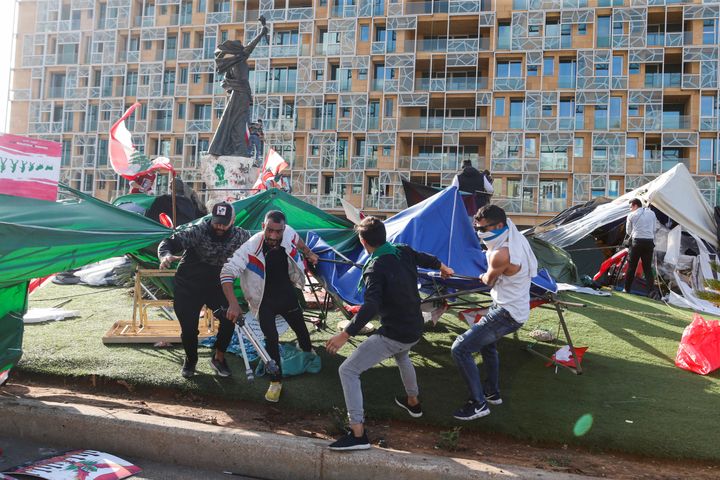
<point>29,167</point>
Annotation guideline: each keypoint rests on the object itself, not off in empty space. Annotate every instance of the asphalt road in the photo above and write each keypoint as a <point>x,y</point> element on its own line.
<point>15,452</point>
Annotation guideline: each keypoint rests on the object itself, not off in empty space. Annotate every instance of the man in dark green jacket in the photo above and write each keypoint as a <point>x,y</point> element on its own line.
<point>390,278</point>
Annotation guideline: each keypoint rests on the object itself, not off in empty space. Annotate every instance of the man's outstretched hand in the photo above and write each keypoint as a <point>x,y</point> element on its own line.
<point>336,342</point>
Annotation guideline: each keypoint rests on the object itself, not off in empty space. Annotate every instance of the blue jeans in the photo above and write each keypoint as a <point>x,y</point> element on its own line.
<point>482,337</point>
<point>256,148</point>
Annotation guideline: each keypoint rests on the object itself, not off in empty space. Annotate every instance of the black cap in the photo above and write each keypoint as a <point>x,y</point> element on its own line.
<point>223,213</point>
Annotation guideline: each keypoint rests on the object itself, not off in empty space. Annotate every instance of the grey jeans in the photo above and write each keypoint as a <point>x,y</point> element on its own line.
<point>371,352</point>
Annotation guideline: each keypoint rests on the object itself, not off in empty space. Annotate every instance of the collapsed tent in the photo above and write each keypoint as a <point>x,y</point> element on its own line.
<point>41,238</point>
<point>438,225</point>
<point>673,193</point>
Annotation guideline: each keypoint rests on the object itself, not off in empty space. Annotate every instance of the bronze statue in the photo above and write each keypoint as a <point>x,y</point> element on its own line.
<point>231,60</point>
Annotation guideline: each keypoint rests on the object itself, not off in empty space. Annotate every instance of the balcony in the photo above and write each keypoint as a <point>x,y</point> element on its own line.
<point>344,11</point>
<point>327,49</point>
<point>510,83</point>
<point>663,80</point>
<point>469,124</point>
<point>161,125</point>
<point>553,205</point>
<point>420,8</point>
<point>198,125</point>
<point>676,122</point>
<point>456,84</point>
<point>451,45</point>
<point>279,125</point>
<point>277,51</point>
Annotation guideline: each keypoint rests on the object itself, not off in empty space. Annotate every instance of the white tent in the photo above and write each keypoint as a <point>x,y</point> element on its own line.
<point>674,193</point>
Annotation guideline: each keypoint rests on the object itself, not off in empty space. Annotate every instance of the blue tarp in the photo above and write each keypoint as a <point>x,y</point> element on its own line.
<point>438,225</point>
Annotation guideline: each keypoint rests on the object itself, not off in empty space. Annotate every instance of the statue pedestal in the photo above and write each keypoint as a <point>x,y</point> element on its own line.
<point>228,178</point>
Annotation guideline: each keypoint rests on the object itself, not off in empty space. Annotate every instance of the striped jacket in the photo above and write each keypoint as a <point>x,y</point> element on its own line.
<point>248,263</point>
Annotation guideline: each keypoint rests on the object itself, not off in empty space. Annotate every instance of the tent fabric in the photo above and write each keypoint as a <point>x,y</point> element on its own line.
<point>555,260</point>
<point>41,238</point>
<point>301,216</point>
<point>674,193</point>
<point>451,239</point>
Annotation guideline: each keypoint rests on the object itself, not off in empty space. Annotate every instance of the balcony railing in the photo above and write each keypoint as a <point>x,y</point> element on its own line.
<point>452,45</point>
<point>443,123</point>
<point>327,49</point>
<point>419,8</point>
<point>198,125</point>
<point>451,84</point>
<point>676,122</point>
<point>663,80</point>
<point>510,83</point>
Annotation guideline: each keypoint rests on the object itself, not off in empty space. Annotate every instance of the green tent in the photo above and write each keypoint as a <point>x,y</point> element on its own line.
<point>556,260</point>
<point>40,238</point>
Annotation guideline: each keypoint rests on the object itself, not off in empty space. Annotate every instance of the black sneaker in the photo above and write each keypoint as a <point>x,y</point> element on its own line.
<point>188,369</point>
<point>415,411</point>
<point>493,399</point>
<point>351,442</point>
<point>472,410</point>
<point>221,368</point>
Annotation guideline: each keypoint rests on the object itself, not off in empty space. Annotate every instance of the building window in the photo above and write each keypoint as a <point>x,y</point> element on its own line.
<point>631,147</point>
<point>634,68</point>
<point>531,147</point>
<point>615,112</point>
<point>603,32</point>
<point>553,158</point>
<point>582,28</point>
<point>503,36</point>
<point>579,147</point>
<point>517,108</point>
<point>500,107</point>
<point>601,117</point>
<point>706,164</point>
<point>553,195</point>
<point>364,33</point>
<point>387,151</point>
<point>532,70</point>
<point>548,66</point>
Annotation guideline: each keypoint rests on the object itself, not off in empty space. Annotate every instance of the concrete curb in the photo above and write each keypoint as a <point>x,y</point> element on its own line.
<point>257,454</point>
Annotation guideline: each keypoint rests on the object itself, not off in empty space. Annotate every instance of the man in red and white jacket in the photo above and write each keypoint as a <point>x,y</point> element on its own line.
<point>270,268</point>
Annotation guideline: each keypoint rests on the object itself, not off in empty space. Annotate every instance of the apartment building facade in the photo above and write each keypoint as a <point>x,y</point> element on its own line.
<point>563,100</point>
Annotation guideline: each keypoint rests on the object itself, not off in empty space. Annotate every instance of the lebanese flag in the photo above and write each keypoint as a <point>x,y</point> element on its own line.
<point>564,356</point>
<point>273,165</point>
<point>125,159</point>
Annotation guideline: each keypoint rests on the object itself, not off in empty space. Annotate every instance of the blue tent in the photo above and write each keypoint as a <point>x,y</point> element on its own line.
<point>438,225</point>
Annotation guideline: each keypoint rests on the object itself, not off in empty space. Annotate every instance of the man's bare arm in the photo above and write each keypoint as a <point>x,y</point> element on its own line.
<point>498,263</point>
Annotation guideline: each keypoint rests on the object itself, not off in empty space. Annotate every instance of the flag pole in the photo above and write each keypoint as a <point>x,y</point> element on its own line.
<point>174,207</point>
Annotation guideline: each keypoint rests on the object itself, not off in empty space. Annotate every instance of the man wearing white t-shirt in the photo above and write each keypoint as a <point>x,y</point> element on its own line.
<point>640,227</point>
<point>511,265</point>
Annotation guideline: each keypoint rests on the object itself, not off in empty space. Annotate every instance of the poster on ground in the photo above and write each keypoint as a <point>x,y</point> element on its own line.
<point>77,465</point>
<point>29,167</point>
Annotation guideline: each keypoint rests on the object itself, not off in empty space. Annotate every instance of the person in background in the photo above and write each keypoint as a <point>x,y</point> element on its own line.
<point>390,279</point>
<point>471,180</point>
<point>205,247</point>
<point>640,228</point>
<point>257,140</point>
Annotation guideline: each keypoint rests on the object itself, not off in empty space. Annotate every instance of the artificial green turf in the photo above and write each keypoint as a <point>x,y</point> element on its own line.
<point>638,400</point>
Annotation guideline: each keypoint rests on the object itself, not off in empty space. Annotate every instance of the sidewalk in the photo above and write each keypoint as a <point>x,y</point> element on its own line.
<point>257,454</point>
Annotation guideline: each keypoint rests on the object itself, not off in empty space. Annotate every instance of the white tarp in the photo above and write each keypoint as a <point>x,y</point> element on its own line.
<point>674,193</point>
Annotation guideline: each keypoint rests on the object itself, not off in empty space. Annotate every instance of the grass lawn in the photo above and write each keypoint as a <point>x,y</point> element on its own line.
<point>638,400</point>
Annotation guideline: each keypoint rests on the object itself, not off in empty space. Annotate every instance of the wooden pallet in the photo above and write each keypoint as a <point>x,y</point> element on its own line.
<point>154,331</point>
<point>142,329</point>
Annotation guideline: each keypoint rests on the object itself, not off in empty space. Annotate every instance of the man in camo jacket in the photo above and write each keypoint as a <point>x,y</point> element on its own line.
<point>207,246</point>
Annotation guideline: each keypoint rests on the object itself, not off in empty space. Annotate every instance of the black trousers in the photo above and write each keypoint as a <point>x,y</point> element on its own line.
<point>290,310</point>
<point>187,305</point>
<point>640,249</point>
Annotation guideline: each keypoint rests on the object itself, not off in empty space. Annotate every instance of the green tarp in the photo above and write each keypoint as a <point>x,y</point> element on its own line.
<point>39,238</point>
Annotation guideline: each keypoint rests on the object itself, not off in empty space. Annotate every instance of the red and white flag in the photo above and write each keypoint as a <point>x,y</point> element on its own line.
<point>564,356</point>
<point>247,134</point>
<point>274,164</point>
<point>125,159</point>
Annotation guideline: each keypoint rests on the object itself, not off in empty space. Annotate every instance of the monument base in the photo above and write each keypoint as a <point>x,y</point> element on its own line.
<point>228,178</point>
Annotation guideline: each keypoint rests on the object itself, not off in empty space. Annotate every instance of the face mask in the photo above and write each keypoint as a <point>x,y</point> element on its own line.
<point>494,237</point>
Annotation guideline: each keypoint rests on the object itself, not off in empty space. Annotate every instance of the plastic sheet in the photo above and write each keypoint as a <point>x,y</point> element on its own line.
<point>699,349</point>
